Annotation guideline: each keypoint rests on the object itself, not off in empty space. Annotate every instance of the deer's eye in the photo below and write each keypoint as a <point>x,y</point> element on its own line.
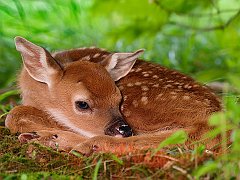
<point>82,105</point>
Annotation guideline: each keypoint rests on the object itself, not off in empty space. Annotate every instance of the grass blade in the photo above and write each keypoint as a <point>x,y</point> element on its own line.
<point>115,158</point>
<point>178,137</point>
<point>96,169</point>
<point>8,93</point>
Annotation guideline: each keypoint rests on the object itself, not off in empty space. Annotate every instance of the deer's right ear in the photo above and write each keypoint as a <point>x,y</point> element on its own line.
<point>119,64</point>
<point>38,62</point>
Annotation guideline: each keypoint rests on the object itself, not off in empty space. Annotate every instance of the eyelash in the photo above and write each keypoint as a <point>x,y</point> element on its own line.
<point>82,105</point>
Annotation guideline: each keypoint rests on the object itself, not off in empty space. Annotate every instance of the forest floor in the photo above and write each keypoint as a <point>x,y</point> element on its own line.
<point>36,162</point>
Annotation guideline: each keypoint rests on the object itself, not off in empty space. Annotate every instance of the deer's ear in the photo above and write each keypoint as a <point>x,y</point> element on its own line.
<point>38,62</point>
<point>119,64</point>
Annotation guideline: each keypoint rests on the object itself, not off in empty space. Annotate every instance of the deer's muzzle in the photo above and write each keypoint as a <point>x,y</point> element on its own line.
<point>118,128</point>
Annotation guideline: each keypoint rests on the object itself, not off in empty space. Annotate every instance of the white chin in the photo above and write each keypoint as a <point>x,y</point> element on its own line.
<point>118,136</point>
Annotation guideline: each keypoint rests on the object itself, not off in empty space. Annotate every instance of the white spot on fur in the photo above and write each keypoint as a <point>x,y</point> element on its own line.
<point>155,85</point>
<point>146,75</point>
<point>207,101</point>
<point>144,88</point>
<point>86,58</point>
<point>144,100</point>
<point>138,69</point>
<point>96,55</point>
<point>135,103</point>
<point>186,86</point>
<point>167,86</point>
<point>155,77</point>
<point>186,97</point>
<point>174,97</point>
<point>130,84</point>
<point>138,83</point>
<point>159,96</point>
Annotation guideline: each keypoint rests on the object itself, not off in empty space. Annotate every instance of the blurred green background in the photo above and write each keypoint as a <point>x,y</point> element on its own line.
<point>200,38</point>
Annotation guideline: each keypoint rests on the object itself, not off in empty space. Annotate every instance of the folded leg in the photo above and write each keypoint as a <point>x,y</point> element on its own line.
<point>29,119</point>
<point>37,125</point>
<point>113,144</point>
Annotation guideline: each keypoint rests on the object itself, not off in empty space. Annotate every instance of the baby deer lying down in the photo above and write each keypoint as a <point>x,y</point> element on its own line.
<point>88,97</point>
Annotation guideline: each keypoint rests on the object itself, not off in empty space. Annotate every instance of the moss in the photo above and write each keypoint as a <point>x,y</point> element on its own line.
<point>34,161</point>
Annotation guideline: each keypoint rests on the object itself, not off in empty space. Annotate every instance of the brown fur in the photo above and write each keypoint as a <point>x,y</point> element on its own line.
<point>156,102</point>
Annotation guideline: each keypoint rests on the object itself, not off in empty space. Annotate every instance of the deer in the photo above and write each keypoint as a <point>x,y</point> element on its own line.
<point>86,98</point>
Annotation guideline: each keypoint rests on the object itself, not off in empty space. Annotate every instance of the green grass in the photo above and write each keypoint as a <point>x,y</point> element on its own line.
<point>35,161</point>
<point>171,36</point>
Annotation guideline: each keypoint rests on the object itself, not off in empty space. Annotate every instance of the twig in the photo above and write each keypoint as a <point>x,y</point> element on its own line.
<point>218,11</point>
<point>183,171</point>
<point>221,26</point>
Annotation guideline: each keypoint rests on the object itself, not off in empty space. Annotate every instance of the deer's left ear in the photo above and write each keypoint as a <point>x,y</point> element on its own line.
<point>119,64</point>
<point>38,62</point>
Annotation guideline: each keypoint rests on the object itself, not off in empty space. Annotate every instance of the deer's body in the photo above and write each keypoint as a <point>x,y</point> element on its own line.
<point>156,101</point>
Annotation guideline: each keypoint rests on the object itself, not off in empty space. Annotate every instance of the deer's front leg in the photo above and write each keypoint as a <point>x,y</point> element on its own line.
<point>56,139</point>
<point>29,119</point>
<point>115,145</point>
<point>36,125</point>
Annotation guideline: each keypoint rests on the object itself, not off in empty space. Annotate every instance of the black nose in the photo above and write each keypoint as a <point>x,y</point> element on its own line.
<point>119,129</point>
<point>125,130</point>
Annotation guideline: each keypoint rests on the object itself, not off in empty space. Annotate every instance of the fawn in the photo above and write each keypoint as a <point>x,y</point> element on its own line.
<point>88,97</point>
